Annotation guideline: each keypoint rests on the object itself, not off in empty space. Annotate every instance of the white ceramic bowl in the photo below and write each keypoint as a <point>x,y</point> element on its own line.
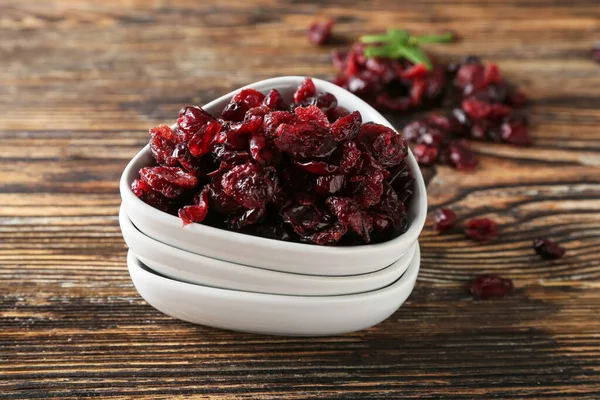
<point>267,253</point>
<point>188,267</point>
<point>271,313</point>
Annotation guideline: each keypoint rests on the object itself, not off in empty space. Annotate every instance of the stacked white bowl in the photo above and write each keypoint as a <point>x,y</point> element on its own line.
<point>230,280</point>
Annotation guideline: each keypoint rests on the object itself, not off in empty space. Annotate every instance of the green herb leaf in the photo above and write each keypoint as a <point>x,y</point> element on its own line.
<point>443,38</point>
<point>398,43</point>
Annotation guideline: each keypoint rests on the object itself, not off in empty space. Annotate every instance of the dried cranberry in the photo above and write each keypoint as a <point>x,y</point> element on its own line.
<point>402,181</point>
<point>392,207</point>
<point>328,185</point>
<point>387,146</point>
<point>305,140</point>
<point>351,216</point>
<point>347,127</point>
<point>367,189</point>
<point>319,32</point>
<point>515,131</point>
<point>312,113</point>
<point>274,119</point>
<point>168,181</point>
<point>240,103</point>
<point>305,90</point>
<point>250,184</point>
<point>547,249</point>
<point>274,100</point>
<point>247,218</point>
<point>259,150</point>
<point>486,286</point>
<point>142,190</point>
<point>302,214</point>
<point>325,101</point>
<point>317,167</point>
<point>329,235</point>
<point>221,203</point>
<point>201,142</point>
<point>337,113</point>
<point>481,229</point>
<point>461,157</point>
<point>351,160</point>
<point>443,219</point>
<point>162,145</point>
<point>425,155</point>
<point>197,212</point>
<point>192,120</point>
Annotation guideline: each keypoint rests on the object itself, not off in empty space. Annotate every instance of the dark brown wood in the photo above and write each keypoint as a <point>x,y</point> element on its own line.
<point>82,81</point>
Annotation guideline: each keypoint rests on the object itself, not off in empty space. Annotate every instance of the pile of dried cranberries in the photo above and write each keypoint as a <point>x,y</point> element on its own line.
<point>309,171</point>
<point>483,104</point>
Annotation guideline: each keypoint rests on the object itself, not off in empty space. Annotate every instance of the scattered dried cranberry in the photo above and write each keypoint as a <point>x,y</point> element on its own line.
<point>443,219</point>
<point>307,171</point>
<point>390,84</point>
<point>319,32</point>
<point>481,229</point>
<point>547,249</point>
<point>486,286</point>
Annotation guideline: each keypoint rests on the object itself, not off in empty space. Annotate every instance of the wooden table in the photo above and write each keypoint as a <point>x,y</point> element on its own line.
<point>82,81</point>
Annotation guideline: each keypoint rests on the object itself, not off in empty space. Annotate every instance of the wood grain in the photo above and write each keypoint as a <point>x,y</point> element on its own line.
<point>82,81</point>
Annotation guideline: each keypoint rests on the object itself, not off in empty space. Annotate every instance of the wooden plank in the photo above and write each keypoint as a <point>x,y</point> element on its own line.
<point>82,81</point>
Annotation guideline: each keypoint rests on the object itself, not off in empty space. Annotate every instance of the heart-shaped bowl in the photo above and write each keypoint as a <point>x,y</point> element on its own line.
<point>270,313</point>
<point>268,253</point>
<point>188,267</point>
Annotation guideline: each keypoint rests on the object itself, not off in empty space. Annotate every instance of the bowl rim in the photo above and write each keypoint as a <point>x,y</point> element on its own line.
<point>408,279</point>
<point>405,240</point>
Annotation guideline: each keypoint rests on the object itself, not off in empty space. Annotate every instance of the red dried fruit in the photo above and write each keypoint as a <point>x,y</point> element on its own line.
<point>486,286</point>
<point>337,113</point>
<point>481,229</point>
<point>351,216</point>
<point>250,184</point>
<point>162,145</point>
<point>461,157</point>
<point>367,189</point>
<point>514,130</point>
<point>347,127</point>
<point>304,140</point>
<point>324,101</point>
<point>197,212</point>
<point>274,119</point>
<point>221,203</point>
<point>328,185</point>
<point>329,235</point>
<point>317,167</point>
<point>274,100</point>
<point>312,113</point>
<point>305,90</point>
<point>319,32</point>
<point>443,219</point>
<point>168,181</point>
<point>548,249</point>
<point>302,160</point>
<point>351,160</point>
<point>192,120</point>
<point>246,219</point>
<point>142,190</point>
<point>425,155</point>
<point>387,146</point>
<point>252,97</point>
<point>392,207</point>
<point>302,214</point>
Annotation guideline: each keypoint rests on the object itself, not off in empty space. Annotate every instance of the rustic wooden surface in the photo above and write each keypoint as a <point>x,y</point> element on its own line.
<point>82,81</point>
